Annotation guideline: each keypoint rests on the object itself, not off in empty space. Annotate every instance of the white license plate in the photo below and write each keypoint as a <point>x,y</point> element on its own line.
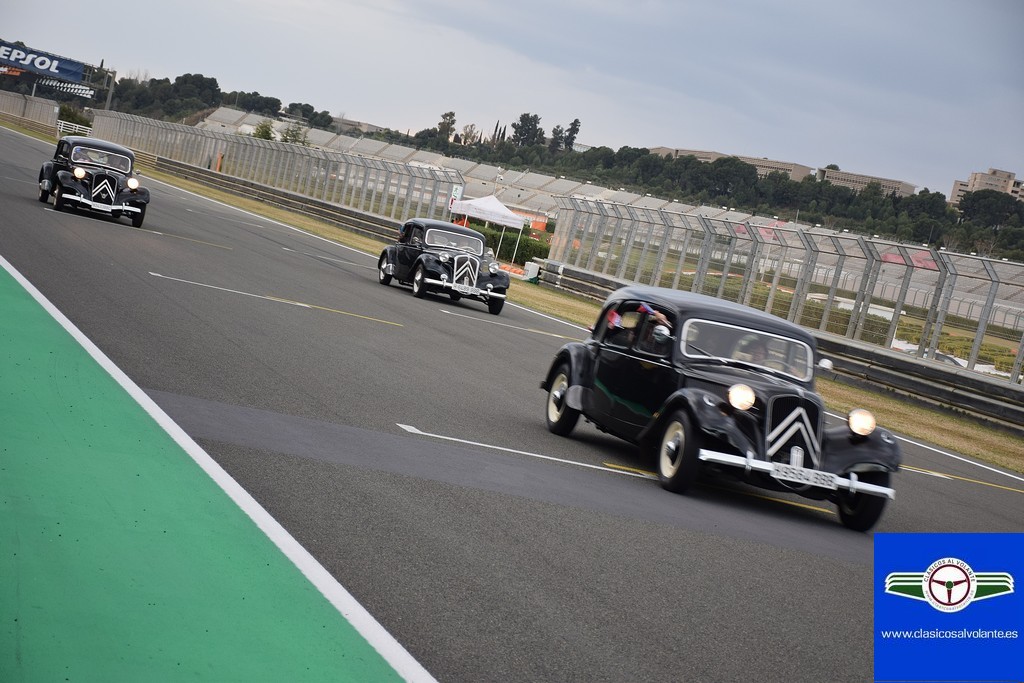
<point>465,289</point>
<point>802,475</point>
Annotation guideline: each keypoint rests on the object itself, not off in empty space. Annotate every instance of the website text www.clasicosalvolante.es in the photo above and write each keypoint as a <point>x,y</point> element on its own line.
<point>941,634</point>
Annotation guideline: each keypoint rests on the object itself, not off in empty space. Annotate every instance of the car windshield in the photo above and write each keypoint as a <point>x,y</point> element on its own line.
<point>99,157</point>
<point>709,339</point>
<point>453,240</point>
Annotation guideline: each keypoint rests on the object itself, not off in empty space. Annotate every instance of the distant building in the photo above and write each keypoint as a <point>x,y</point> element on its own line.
<point>798,172</point>
<point>857,182</point>
<point>999,181</point>
<point>764,166</point>
<point>348,126</point>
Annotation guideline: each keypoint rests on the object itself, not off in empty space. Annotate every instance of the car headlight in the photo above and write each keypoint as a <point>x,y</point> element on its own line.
<point>79,172</point>
<point>444,257</point>
<point>741,397</point>
<point>493,267</point>
<point>132,183</point>
<point>861,421</point>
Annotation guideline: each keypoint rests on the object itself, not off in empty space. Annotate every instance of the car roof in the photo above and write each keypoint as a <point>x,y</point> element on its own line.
<point>97,143</point>
<point>689,304</point>
<point>445,225</point>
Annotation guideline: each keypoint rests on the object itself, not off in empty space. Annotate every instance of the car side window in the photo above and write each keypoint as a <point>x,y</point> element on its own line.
<point>647,341</point>
<point>620,325</point>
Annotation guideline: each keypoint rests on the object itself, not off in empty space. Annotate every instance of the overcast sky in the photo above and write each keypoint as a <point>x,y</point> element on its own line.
<point>923,91</point>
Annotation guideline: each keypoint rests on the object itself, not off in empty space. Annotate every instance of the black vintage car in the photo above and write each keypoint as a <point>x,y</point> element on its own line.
<point>88,173</point>
<point>705,384</point>
<point>436,256</point>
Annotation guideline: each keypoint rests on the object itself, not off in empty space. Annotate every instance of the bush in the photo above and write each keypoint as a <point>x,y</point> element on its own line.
<point>527,250</point>
<point>72,115</point>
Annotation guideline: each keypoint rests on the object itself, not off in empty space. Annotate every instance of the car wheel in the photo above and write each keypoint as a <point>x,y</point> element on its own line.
<point>454,296</point>
<point>495,306</point>
<point>58,198</point>
<point>137,218</point>
<point>677,453</point>
<point>560,417</point>
<point>860,511</point>
<point>44,196</point>
<point>382,275</point>
<point>419,287</point>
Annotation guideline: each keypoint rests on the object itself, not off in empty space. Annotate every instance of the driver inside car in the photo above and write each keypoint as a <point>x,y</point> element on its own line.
<point>754,350</point>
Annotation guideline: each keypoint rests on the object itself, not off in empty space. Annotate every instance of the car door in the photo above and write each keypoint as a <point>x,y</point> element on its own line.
<point>61,157</point>
<point>633,373</point>
<point>408,249</point>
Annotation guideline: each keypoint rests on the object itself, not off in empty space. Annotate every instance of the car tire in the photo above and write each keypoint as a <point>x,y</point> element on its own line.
<point>454,296</point>
<point>382,275</point>
<point>419,287</point>
<point>58,198</point>
<point>137,218</point>
<point>494,306</point>
<point>560,417</point>
<point>860,511</point>
<point>677,453</point>
<point>44,196</point>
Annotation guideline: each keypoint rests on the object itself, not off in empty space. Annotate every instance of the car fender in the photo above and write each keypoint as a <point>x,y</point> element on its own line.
<point>430,263</point>
<point>137,196</point>
<point>69,182</point>
<point>46,176</point>
<point>579,360</point>
<point>707,416</point>
<point>844,451</point>
<point>500,280</point>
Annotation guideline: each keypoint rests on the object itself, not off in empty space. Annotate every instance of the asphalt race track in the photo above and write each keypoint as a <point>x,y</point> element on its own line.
<point>402,443</point>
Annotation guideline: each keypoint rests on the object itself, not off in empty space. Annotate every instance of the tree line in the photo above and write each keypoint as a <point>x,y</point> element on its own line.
<point>988,223</point>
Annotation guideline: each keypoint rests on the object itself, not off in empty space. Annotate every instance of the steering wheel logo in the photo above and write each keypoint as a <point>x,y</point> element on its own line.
<point>949,584</point>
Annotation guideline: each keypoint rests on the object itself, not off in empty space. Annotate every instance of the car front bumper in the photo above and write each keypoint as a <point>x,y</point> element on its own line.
<point>791,474</point>
<point>103,208</point>
<point>71,194</point>
<point>465,290</point>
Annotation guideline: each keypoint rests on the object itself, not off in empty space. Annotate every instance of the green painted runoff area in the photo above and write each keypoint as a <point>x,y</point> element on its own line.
<point>120,558</point>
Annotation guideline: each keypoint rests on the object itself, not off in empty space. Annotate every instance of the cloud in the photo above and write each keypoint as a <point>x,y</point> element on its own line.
<point>925,91</point>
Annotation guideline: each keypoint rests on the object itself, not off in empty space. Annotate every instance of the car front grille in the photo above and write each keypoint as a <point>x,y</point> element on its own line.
<point>465,270</point>
<point>793,433</point>
<point>104,188</point>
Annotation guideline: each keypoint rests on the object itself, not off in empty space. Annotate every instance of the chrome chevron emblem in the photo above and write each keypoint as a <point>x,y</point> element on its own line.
<point>465,270</point>
<point>797,422</point>
<point>104,190</point>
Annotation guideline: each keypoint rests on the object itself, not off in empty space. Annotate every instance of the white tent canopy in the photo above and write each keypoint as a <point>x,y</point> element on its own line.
<point>489,209</point>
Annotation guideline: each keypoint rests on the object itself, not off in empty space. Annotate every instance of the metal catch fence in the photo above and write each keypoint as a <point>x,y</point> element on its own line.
<point>964,309</point>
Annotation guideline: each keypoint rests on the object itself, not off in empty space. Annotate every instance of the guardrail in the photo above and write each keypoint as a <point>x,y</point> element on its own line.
<point>30,124</point>
<point>376,227</point>
<point>963,391</point>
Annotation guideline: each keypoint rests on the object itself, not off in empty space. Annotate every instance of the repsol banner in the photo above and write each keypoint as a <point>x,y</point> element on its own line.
<point>41,63</point>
